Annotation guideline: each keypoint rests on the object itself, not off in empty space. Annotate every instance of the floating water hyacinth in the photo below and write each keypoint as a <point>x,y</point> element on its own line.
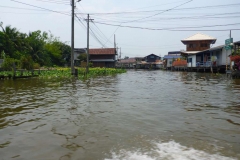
<point>66,73</point>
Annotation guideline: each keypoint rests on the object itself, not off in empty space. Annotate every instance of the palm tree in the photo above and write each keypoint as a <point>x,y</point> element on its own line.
<point>10,40</point>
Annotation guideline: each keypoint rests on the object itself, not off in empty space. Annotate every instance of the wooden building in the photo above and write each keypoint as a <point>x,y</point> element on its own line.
<point>168,59</point>
<point>134,62</point>
<point>198,42</point>
<point>103,57</point>
<point>195,45</point>
<point>152,61</point>
<point>77,53</point>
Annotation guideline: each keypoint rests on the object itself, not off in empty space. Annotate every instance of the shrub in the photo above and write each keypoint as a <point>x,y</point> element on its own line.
<point>26,62</point>
<point>36,66</point>
<point>8,64</point>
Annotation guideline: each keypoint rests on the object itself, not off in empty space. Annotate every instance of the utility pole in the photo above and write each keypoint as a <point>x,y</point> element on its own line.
<point>114,41</point>
<point>230,50</point>
<point>72,41</point>
<point>87,68</point>
<point>120,53</point>
<point>72,38</point>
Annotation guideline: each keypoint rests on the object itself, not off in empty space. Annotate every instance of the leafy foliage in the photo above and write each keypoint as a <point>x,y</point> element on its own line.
<point>83,57</point>
<point>8,64</point>
<point>35,47</point>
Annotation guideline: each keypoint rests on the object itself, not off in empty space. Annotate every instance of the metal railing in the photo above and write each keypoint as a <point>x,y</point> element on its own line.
<point>206,64</point>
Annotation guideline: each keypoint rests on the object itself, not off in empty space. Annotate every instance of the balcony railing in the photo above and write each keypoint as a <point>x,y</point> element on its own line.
<point>206,64</point>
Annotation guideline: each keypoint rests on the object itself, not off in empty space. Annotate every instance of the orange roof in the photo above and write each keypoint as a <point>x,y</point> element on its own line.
<point>102,51</point>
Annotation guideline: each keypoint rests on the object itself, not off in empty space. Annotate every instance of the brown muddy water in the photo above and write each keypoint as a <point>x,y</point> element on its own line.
<point>138,115</point>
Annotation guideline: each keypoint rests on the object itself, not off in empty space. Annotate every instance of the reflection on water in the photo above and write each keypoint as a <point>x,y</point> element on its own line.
<point>136,115</point>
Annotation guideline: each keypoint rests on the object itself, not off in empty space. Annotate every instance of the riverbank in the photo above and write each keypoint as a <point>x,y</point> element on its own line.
<point>60,72</point>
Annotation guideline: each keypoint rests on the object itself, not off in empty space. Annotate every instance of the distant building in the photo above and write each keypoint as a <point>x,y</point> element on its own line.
<point>77,52</point>
<point>152,61</point>
<point>175,53</point>
<point>200,56</point>
<point>103,57</point>
<point>194,44</point>
<point>198,42</point>
<point>168,59</point>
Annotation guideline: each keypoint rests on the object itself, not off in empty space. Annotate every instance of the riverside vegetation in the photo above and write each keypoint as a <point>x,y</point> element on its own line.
<point>32,50</point>
<point>66,73</point>
<point>37,50</point>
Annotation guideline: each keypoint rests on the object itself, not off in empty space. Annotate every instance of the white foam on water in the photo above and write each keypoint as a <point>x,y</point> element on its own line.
<point>169,151</point>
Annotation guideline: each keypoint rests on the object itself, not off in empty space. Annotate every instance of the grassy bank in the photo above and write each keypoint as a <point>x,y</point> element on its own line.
<point>66,72</point>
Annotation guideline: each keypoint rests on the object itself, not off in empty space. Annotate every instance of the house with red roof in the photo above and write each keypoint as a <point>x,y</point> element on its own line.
<point>103,57</point>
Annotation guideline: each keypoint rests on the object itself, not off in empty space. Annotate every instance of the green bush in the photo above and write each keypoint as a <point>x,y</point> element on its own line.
<point>26,62</point>
<point>8,64</point>
<point>36,66</point>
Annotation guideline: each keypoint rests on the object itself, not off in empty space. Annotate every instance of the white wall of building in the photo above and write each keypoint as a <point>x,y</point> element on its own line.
<point>223,56</point>
<point>169,62</point>
<point>193,64</point>
<point>75,55</point>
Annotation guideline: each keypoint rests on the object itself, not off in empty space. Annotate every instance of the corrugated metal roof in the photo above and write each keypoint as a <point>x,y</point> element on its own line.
<point>171,57</point>
<point>102,51</point>
<point>129,60</point>
<point>174,52</point>
<point>80,50</point>
<point>215,48</point>
<point>190,52</point>
<point>199,36</point>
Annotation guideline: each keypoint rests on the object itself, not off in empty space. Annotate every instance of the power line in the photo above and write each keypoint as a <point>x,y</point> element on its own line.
<point>94,35</point>
<point>91,33</point>
<point>159,13</point>
<point>55,2</point>
<point>177,9</point>
<point>171,29</point>
<point>207,16</point>
<point>40,7</point>
<point>23,8</point>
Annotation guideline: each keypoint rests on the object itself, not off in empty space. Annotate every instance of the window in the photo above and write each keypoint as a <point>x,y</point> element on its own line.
<point>204,45</point>
<point>151,56</point>
<point>190,45</point>
<point>189,60</point>
<point>194,45</point>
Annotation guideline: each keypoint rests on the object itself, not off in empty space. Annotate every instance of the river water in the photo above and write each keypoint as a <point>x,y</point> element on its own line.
<point>138,115</point>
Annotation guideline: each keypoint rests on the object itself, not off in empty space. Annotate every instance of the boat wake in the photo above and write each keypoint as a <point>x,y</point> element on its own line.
<point>168,151</point>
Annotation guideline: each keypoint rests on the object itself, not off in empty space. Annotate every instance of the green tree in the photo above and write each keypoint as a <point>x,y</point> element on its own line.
<point>26,62</point>
<point>83,57</point>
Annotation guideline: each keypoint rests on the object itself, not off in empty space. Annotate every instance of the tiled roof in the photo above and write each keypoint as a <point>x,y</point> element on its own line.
<point>102,60</point>
<point>129,60</point>
<point>102,51</point>
<point>199,36</point>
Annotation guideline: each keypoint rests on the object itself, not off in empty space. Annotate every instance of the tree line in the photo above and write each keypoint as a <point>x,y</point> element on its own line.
<point>31,50</point>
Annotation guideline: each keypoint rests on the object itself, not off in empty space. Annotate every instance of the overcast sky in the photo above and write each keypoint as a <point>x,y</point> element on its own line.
<point>132,21</point>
